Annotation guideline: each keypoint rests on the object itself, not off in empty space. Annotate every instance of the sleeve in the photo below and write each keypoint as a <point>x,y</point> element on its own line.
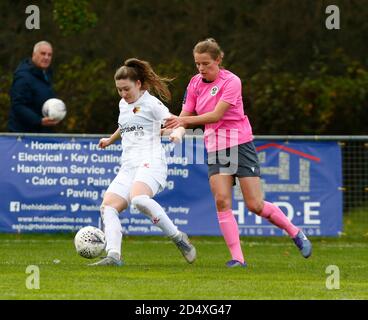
<point>189,100</point>
<point>231,91</point>
<point>21,98</point>
<point>160,111</point>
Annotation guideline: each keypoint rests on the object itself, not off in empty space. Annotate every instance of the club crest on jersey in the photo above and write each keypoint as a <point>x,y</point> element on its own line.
<point>214,91</point>
<point>136,109</point>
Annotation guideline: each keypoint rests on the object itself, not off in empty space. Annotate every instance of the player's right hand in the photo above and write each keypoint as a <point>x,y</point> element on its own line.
<point>104,142</point>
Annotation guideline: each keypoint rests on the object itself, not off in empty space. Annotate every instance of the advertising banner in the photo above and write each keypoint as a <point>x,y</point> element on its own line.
<point>56,184</point>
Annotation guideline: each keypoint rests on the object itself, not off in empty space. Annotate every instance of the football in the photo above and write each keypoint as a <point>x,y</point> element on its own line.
<point>90,242</point>
<point>54,109</point>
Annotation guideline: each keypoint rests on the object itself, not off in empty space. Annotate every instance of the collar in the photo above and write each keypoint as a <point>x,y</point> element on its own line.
<point>220,75</point>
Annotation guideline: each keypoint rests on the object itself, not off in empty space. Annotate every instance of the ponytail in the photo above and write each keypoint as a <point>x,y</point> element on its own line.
<point>135,69</point>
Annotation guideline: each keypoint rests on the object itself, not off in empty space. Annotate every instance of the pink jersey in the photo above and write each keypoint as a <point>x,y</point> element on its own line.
<point>202,97</point>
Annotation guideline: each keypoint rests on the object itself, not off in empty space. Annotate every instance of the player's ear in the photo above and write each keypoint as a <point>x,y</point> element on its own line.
<point>138,83</point>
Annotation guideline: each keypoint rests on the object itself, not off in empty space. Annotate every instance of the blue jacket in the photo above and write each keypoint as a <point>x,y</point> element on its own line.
<point>29,90</point>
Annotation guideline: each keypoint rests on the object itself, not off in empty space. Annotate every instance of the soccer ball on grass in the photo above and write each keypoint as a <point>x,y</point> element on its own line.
<point>90,242</point>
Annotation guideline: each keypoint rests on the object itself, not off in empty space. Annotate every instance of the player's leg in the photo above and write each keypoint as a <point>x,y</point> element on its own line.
<point>221,187</point>
<point>116,199</point>
<point>111,206</point>
<point>252,193</point>
<point>253,197</point>
<point>141,196</point>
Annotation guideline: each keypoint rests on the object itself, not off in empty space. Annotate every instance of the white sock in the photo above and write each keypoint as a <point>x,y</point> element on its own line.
<point>154,211</point>
<point>113,230</point>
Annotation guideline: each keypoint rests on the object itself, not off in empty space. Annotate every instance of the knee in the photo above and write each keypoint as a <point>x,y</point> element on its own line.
<point>223,202</point>
<point>255,207</point>
<point>114,201</point>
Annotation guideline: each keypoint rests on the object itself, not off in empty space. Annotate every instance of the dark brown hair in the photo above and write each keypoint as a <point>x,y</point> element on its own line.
<point>135,69</point>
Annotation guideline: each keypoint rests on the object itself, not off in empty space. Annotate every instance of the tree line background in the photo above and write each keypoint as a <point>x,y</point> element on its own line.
<point>298,76</point>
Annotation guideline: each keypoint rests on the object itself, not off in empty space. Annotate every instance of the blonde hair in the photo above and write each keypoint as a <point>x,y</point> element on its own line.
<point>211,47</point>
<point>135,69</point>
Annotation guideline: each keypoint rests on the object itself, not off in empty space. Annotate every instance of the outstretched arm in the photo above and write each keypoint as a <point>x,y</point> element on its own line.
<point>192,120</point>
<point>175,135</point>
<point>104,142</point>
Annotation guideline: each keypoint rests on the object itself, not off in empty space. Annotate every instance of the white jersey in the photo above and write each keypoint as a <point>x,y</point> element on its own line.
<point>140,128</point>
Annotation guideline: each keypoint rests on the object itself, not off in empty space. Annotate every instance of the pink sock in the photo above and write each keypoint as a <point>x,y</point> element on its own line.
<point>229,229</point>
<point>274,214</point>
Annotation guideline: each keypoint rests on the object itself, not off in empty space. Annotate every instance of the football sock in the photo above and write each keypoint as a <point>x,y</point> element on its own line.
<point>274,214</point>
<point>113,230</point>
<point>154,211</point>
<point>230,231</point>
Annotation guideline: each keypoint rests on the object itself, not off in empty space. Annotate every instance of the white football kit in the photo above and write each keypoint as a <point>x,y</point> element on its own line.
<point>143,157</point>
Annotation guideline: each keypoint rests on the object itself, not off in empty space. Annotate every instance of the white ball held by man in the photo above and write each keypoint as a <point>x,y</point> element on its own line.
<point>54,109</point>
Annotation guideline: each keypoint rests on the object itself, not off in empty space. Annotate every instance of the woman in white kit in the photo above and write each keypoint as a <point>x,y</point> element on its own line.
<point>143,169</point>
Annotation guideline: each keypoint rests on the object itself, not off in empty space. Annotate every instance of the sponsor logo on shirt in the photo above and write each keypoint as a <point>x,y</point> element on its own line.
<point>131,128</point>
<point>214,91</point>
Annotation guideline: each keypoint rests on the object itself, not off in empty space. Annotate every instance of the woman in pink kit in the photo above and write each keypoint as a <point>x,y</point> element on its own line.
<point>214,98</point>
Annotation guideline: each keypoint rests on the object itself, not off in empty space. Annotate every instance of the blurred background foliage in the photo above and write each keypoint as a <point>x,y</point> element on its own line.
<point>298,77</point>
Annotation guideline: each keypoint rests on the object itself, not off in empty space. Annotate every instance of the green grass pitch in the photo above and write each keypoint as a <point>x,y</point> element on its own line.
<point>155,270</point>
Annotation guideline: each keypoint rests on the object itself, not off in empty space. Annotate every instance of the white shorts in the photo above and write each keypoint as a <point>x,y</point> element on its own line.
<point>153,174</point>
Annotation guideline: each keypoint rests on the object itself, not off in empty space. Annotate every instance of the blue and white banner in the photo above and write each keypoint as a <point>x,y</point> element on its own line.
<point>304,179</point>
<point>50,184</point>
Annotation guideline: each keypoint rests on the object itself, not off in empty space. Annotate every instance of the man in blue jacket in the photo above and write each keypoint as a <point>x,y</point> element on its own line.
<point>31,87</point>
